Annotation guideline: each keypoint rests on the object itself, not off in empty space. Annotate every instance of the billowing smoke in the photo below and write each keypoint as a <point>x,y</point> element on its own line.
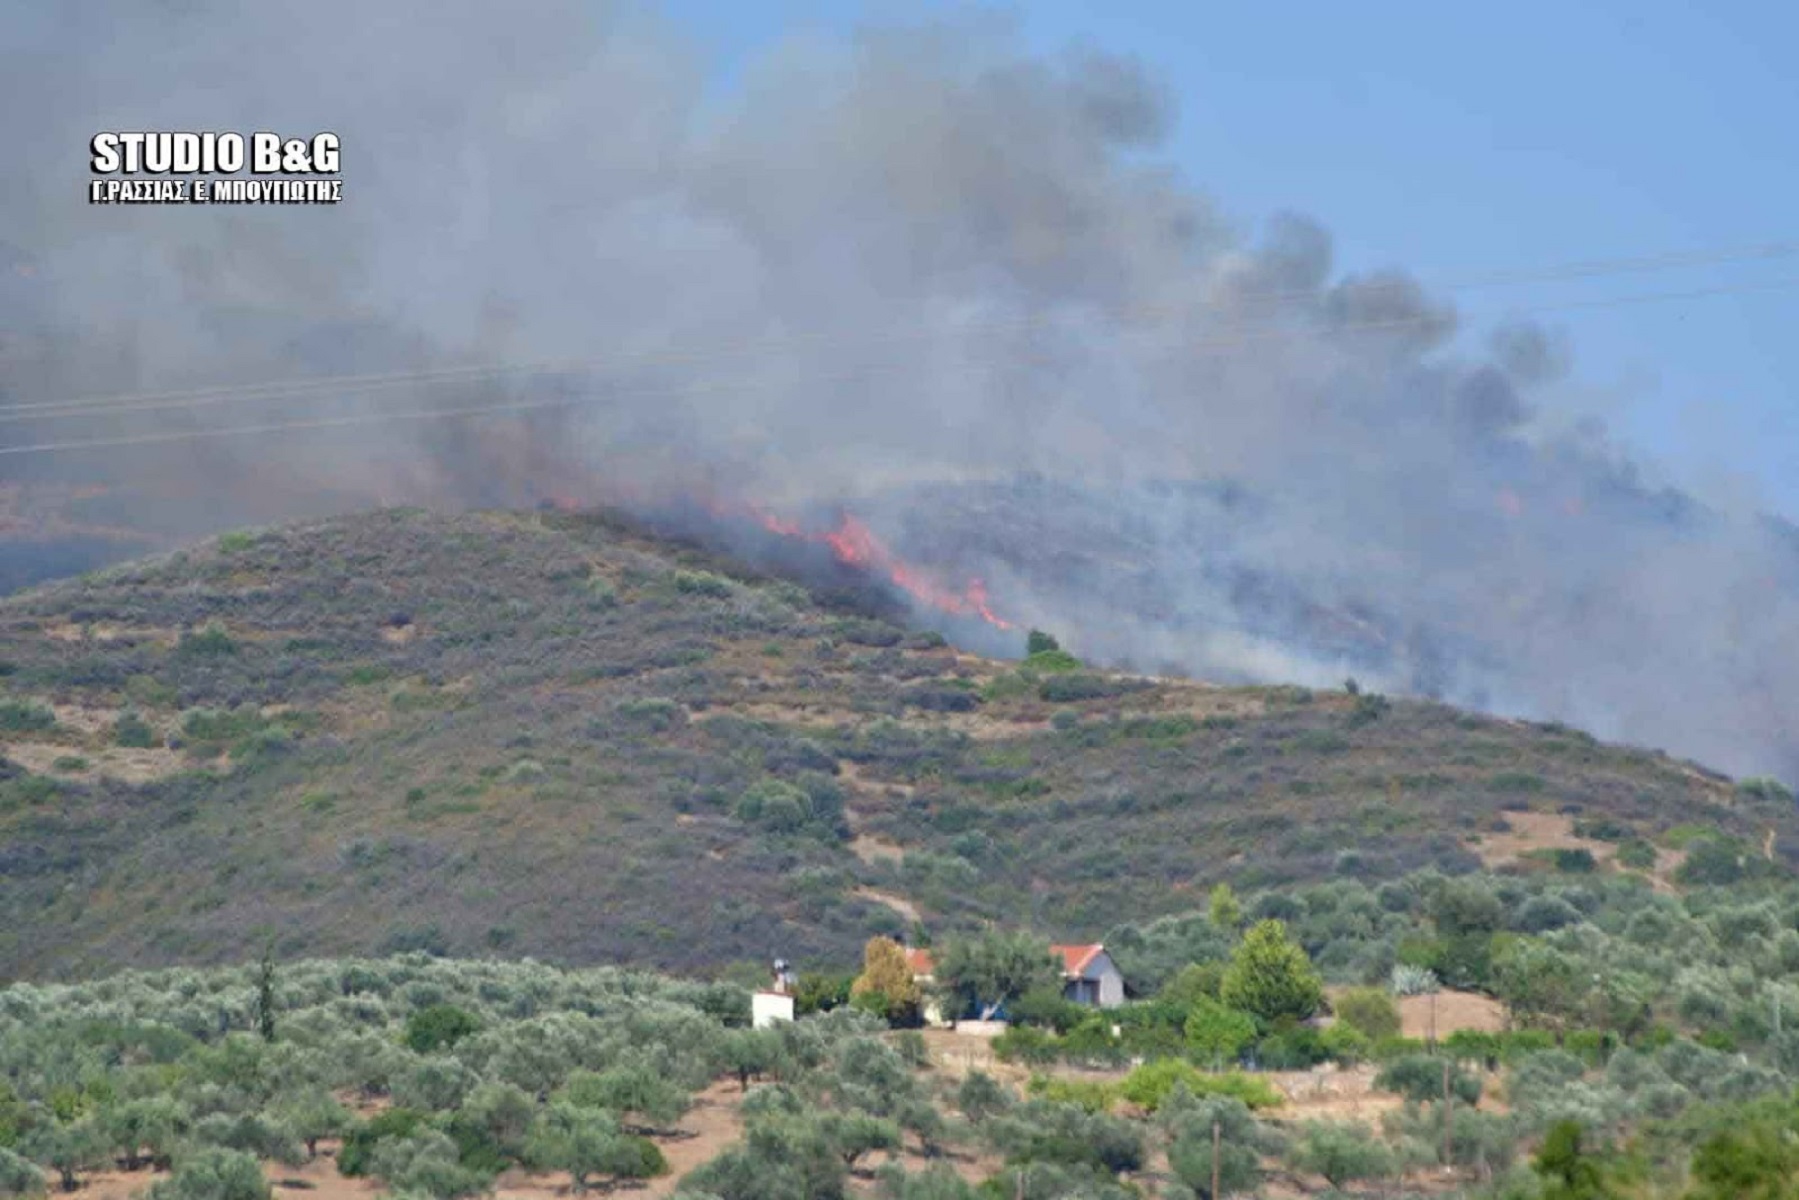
<point>922,275</point>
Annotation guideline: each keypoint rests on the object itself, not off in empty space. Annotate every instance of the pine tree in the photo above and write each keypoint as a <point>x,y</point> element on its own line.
<point>1270,976</point>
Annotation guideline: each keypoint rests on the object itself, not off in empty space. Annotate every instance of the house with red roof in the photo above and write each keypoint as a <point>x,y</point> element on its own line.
<point>1089,976</point>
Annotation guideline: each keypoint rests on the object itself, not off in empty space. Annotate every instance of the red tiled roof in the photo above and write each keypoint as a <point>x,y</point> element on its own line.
<point>1076,959</point>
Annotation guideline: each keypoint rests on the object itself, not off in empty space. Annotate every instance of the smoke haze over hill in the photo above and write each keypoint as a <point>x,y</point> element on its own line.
<point>925,277</point>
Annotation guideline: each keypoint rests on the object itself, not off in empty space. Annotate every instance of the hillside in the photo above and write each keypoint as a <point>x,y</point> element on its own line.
<point>561,736</point>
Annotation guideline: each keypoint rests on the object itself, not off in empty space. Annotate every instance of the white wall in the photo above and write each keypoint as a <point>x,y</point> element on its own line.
<point>1111,981</point>
<point>770,1008</point>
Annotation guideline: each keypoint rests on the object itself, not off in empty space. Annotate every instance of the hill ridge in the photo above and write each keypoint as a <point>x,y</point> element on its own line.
<point>568,736</point>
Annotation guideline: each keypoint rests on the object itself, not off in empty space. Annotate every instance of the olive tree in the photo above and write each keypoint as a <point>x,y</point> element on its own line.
<point>588,1141</point>
<point>1342,1152</point>
<point>19,1176</point>
<point>213,1173</point>
<point>69,1148</point>
<point>984,973</point>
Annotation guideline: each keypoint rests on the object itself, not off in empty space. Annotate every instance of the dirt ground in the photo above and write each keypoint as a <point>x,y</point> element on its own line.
<point>1533,831</point>
<point>1452,1011</point>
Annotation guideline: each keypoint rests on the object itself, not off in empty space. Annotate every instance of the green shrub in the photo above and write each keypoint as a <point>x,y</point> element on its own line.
<point>657,714</point>
<point>1027,1044</point>
<point>261,1137</point>
<point>22,716</point>
<point>353,1158</point>
<point>1345,1044</point>
<point>1292,1048</point>
<point>1051,662</point>
<point>19,1176</point>
<point>438,1027</point>
<point>981,1096</point>
<point>214,1174</point>
<point>1473,1045</point>
<point>1062,689</point>
<point>1713,861</point>
<point>133,732</point>
<point>775,805</point>
<point>210,642</point>
<point>702,583</point>
<point>1047,1007</point>
<point>1420,1077</point>
<point>1637,854</point>
<point>1680,836</point>
<point>1048,1132</point>
<point>1769,791</point>
<point>1149,1085</point>
<point>1593,1046</point>
<point>425,1162</point>
<point>1576,861</point>
<point>1368,708</point>
<point>1370,1010</point>
<point>820,991</point>
<point>1396,1047</point>
<point>1090,1094</point>
<point>1093,1044</point>
<point>1343,1153</point>
<point>1216,1033</point>
<point>1602,829</point>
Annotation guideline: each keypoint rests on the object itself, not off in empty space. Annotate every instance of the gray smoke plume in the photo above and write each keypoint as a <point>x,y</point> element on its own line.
<point>922,275</point>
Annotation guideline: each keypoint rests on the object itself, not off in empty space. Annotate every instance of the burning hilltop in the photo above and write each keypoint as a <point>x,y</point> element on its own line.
<point>833,548</point>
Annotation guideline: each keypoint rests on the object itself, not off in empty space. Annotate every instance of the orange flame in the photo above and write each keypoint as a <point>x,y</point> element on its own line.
<point>856,544</point>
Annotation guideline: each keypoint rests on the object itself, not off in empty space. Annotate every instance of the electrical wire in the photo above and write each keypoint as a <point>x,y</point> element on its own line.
<point>249,393</point>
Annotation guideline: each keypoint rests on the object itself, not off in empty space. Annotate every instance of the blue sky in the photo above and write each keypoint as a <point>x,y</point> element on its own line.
<point>1457,141</point>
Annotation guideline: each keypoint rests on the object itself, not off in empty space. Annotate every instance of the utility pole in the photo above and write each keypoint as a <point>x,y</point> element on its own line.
<point>1217,1138</point>
<point>1448,1121</point>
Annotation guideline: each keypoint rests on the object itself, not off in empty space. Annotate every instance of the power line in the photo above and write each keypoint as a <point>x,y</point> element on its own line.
<point>694,389</point>
<point>226,394</point>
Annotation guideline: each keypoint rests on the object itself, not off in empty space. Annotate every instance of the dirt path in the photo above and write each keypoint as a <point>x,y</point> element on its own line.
<point>898,904</point>
<point>711,1125</point>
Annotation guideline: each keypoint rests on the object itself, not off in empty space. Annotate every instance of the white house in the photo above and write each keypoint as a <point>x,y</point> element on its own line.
<point>774,1004</point>
<point>1089,976</point>
<point>922,965</point>
<point>770,1008</point>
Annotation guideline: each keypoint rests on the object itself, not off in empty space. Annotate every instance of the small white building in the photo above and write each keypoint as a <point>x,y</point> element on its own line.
<point>1089,976</point>
<point>922,966</point>
<point>774,1004</point>
<point>770,1008</point>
